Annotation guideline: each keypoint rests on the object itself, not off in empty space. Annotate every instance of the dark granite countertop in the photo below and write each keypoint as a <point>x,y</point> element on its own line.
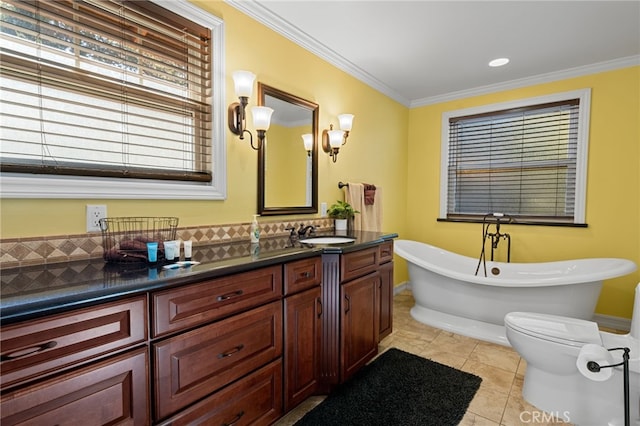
<point>33,291</point>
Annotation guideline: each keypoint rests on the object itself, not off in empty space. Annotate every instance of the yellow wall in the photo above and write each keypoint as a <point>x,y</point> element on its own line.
<point>613,184</point>
<point>399,150</point>
<point>375,152</point>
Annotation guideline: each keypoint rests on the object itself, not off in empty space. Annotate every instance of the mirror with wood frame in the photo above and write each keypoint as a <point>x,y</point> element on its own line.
<point>287,173</point>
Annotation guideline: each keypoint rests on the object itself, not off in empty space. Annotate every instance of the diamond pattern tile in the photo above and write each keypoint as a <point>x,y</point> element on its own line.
<point>63,248</point>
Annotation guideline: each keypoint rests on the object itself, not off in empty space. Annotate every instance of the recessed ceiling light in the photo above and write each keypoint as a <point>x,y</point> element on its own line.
<point>499,62</point>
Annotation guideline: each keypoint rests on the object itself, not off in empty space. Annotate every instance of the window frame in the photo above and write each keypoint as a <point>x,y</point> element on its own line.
<point>584,96</point>
<point>24,185</point>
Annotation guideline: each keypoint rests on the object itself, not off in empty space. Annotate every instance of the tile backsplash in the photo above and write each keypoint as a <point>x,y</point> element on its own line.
<point>16,252</point>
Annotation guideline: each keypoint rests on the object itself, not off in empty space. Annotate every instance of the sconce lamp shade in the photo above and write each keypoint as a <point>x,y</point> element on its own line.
<point>335,138</point>
<point>307,139</point>
<point>346,121</point>
<point>243,81</point>
<point>261,117</point>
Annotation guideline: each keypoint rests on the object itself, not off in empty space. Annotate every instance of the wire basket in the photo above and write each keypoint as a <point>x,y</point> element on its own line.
<point>125,239</point>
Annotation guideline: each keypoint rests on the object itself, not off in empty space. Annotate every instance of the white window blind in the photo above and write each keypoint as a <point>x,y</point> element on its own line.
<point>105,88</point>
<point>525,161</point>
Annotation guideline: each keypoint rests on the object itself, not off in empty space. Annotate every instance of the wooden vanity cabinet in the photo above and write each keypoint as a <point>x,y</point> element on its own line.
<point>359,309</point>
<point>214,334</point>
<point>196,304</point>
<point>192,365</point>
<point>240,349</point>
<point>385,326</point>
<point>92,361</point>
<point>357,296</point>
<point>42,346</point>
<point>253,400</point>
<point>359,322</point>
<point>302,329</point>
<point>359,263</point>
<point>114,391</point>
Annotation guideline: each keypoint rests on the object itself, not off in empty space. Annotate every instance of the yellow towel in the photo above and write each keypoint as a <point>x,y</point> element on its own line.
<point>370,216</point>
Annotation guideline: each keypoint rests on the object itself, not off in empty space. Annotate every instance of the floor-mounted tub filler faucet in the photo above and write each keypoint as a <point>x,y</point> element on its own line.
<point>495,237</point>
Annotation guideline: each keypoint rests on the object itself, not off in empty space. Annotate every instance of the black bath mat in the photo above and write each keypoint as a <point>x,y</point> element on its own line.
<point>398,388</point>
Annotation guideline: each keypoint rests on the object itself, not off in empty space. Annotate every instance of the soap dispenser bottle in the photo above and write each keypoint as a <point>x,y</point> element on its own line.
<point>255,229</point>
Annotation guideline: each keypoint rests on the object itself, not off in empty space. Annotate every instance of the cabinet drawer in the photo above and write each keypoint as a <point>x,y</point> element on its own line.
<point>302,274</point>
<point>58,341</point>
<point>114,391</point>
<point>253,400</point>
<point>192,305</point>
<point>359,263</point>
<point>195,364</point>
<point>386,251</point>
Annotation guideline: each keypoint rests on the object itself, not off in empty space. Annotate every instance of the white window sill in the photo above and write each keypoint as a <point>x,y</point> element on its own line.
<point>38,186</point>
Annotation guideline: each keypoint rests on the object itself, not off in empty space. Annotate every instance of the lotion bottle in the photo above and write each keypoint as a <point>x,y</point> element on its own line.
<point>255,229</point>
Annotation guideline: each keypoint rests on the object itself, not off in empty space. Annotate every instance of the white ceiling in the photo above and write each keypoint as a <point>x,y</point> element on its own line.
<point>421,52</point>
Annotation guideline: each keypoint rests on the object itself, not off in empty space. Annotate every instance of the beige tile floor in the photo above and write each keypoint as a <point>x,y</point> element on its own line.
<point>498,402</point>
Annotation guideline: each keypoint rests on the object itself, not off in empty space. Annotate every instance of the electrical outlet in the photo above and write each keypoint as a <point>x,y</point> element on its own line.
<point>323,209</point>
<point>95,212</point>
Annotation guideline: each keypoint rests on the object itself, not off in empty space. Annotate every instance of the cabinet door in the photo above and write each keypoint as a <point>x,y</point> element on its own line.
<point>111,392</point>
<point>303,316</point>
<point>386,300</point>
<point>359,312</point>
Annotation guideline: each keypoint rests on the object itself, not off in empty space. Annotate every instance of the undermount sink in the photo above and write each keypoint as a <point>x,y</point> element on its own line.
<point>327,240</point>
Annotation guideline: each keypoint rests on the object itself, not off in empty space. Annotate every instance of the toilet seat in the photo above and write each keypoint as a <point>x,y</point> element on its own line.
<point>554,328</point>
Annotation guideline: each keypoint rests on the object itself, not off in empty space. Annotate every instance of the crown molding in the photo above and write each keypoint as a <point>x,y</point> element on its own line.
<point>530,81</point>
<point>269,19</point>
<point>263,15</point>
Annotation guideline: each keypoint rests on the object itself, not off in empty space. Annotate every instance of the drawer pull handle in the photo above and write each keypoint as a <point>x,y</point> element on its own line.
<point>348,307</point>
<point>229,295</point>
<point>386,253</point>
<point>235,419</point>
<point>28,351</point>
<point>320,311</point>
<point>231,352</point>
<point>305,274</point>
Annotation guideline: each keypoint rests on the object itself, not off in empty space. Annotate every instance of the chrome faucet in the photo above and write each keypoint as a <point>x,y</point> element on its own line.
<point>302,231</point>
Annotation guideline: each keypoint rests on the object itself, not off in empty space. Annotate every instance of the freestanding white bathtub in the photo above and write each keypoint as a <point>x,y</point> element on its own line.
<point>449,296</point>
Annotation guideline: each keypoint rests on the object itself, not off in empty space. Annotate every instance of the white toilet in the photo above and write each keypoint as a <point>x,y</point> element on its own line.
<point>550,344</point>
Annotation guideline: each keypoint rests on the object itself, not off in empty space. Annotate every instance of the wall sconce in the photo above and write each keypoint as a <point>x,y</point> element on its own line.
<point>307,140</point>
<point>332,140</point>
<point>243,82</point>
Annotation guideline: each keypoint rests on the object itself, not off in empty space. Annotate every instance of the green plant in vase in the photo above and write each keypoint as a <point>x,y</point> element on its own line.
<point>341,211</point>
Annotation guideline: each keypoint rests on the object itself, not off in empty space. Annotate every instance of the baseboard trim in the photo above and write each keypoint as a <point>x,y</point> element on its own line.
<point>401,287</point>
<point>609,321</point>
